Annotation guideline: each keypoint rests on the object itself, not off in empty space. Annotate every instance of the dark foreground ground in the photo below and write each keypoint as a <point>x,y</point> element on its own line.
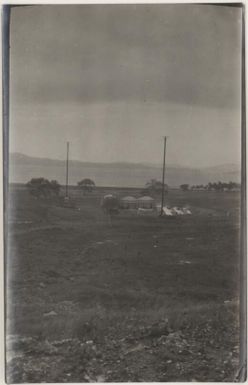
<point>141,299</point>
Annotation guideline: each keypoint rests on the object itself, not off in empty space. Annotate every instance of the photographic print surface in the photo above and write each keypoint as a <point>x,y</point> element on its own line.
<point>123,226</point>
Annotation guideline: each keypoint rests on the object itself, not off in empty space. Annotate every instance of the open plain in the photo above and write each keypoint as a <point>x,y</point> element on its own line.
<point>137,298</point>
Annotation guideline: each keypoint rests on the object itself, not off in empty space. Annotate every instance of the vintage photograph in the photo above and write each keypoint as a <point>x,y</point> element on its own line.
<point>123,185</point>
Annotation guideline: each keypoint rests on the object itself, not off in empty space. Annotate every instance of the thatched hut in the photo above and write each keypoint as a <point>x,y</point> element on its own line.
<point>128,202</point>
<point>146,202</point>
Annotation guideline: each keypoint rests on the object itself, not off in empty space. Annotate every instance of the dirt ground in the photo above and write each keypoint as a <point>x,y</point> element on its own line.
<point>138,299</point>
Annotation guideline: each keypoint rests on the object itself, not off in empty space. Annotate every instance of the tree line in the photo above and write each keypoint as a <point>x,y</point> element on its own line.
<point>43,188</point>
<point>215,186</point>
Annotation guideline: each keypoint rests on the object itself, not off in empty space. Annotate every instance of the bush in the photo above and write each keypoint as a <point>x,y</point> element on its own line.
<point>87,185</point>
<point>43,188</point>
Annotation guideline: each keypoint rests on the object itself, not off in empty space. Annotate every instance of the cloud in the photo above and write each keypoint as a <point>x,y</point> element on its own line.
<point>113,79</point>
<point>151,53</point>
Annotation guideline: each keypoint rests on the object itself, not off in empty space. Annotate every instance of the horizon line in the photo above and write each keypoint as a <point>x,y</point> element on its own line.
<point>125,162</point>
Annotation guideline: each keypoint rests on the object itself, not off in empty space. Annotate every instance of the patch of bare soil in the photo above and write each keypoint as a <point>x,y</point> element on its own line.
<point>203,348</point>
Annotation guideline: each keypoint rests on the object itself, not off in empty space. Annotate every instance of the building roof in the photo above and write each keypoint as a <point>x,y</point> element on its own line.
<point>146,198</point>
<point>108,196</point>
<point>129,199</point>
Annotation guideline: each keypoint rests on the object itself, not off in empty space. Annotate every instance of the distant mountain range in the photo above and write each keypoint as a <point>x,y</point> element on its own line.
<point>22,168</point>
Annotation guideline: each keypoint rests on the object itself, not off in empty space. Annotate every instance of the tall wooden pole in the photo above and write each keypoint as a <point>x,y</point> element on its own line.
<point>162,200</point>
<point>67,171</point>
<point>5,106</point>
<point>241,375</point>
<point>5,148</point>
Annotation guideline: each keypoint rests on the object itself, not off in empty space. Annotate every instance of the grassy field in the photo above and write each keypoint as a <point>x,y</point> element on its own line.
<point>139,299</point>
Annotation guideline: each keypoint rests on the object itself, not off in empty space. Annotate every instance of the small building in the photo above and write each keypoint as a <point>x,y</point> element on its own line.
<point>128,202</point>
<point>146,202</point>
<point>110,202</point>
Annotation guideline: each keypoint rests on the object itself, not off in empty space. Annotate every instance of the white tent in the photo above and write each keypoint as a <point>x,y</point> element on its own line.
<point>175,211</point>
<point>167,211</point>
<point>186,211</point>
<point>178,211</point>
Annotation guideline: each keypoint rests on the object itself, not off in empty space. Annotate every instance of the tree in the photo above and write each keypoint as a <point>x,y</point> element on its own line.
<point>210,186</point>
<point>155,186</point>
<point>55,187</point>
<point>219,186</point>
<point>233,185</point>
<point>39,187</point>
<point>42,188</point>
<point>86,185</point>
<point>184,187</point>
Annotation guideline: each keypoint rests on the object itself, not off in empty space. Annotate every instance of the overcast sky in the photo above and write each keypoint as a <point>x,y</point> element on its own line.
<point>113,79</point>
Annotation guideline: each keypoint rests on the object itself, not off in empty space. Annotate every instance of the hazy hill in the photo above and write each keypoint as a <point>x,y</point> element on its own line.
<point>23,167</point>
